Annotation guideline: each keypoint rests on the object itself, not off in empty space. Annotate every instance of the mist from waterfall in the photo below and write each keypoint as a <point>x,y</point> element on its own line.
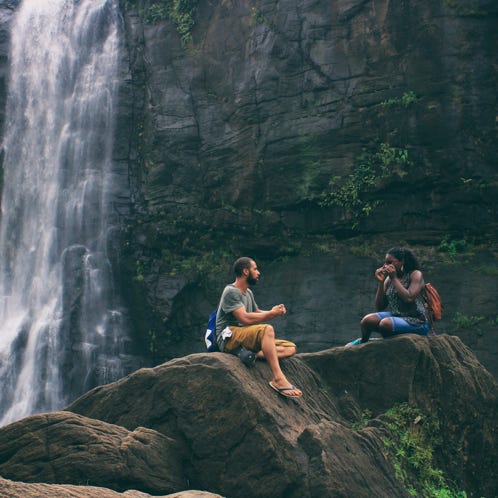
<point>61,332</point>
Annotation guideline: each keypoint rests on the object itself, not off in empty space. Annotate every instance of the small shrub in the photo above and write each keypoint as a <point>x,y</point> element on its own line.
<point>455,249</point>
<point>415,435</point>
<point>256,16</point>
<point>407,99</point>
<point>462,321</point>
<point>363,419</point>
<point>201,264</point>
<point>139,271</point>
<point>351,193</point>
<point>181,12</point>
<point>155,13</point>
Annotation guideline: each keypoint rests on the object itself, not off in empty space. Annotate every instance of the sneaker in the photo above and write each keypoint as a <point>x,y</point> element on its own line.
<point>247,357</point>
<point>356,342</point>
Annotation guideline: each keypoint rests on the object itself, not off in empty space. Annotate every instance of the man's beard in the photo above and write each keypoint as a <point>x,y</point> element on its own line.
<point>252,281</point>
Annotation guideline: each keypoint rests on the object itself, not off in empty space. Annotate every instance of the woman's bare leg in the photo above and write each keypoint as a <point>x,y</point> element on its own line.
<point>369,324</point>
<point>386,327</point>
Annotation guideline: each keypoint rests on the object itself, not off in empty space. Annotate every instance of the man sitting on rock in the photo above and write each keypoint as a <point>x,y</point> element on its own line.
<point>239,324</point>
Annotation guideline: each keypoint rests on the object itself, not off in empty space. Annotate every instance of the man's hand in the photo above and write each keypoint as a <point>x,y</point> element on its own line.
<point>279,310</point>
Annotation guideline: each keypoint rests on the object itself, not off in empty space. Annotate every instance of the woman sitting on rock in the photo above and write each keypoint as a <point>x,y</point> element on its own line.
<point>400,307</point>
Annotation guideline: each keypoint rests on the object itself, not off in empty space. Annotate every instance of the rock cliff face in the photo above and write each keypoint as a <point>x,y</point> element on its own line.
<point>245,127</point>
<point>312,136</point>
<point>234,138</point>
<point>208,422</point>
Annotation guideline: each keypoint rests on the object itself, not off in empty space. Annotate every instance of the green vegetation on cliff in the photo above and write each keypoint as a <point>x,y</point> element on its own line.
<point>181,12</point>
<point>415,438</point>
<point>353,193</point>
<point>405,100</point>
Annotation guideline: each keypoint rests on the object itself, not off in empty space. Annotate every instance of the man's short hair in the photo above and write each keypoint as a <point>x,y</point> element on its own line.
<point>241,264</point>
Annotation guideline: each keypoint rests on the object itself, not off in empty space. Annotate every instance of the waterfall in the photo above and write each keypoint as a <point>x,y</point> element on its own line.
<point>61,331</point>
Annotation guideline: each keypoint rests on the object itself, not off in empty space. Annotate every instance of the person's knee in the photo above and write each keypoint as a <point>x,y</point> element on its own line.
<point>290,351</point>
<point>370,319</point>
<point>269,332</point>
<point>386,325</point>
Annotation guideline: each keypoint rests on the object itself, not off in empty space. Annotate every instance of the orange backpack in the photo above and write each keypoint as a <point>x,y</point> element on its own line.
<point>433,302</point>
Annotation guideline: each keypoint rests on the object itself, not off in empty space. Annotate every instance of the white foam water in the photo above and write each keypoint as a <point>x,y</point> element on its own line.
<point>60,333</point>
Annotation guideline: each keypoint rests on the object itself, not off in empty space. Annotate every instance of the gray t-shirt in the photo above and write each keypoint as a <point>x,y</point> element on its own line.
<point>232,299</point>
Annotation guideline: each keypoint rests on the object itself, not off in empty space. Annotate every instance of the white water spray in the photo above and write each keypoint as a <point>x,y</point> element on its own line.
<point>60,332</point>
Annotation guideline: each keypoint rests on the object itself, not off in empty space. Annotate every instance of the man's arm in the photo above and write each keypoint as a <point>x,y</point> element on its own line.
<point>259,316</point>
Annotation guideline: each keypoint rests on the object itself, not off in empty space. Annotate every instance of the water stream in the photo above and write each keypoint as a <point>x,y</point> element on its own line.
<point>61,329</point>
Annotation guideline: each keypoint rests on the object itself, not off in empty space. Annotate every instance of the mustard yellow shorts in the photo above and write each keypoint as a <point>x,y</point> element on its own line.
<point>250,337</point>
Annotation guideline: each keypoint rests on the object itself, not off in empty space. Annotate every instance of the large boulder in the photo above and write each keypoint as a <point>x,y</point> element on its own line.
<point>64,447</point>
<point>243,439</point>
<point>438,374</point>
<point>11,489</point>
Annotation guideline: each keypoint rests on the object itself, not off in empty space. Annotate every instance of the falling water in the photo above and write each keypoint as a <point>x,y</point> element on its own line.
<point>60,329</point>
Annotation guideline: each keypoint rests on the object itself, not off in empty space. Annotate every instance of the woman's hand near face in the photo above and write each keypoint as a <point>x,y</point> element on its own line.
<point>390,270</point>
<point>380,274</point>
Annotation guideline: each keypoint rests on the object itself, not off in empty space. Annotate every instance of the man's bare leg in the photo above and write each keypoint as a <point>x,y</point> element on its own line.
<point>282,352</point>
<point>270,353</point>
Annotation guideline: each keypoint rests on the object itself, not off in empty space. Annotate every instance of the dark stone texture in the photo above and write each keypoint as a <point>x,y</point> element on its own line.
<point>12,489</point>
<point>273,100</point>
<point>64,448</point>
<point>208,422</point>
<point>242,439</point>
<point>232,141</point>
<point>6,11</point>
